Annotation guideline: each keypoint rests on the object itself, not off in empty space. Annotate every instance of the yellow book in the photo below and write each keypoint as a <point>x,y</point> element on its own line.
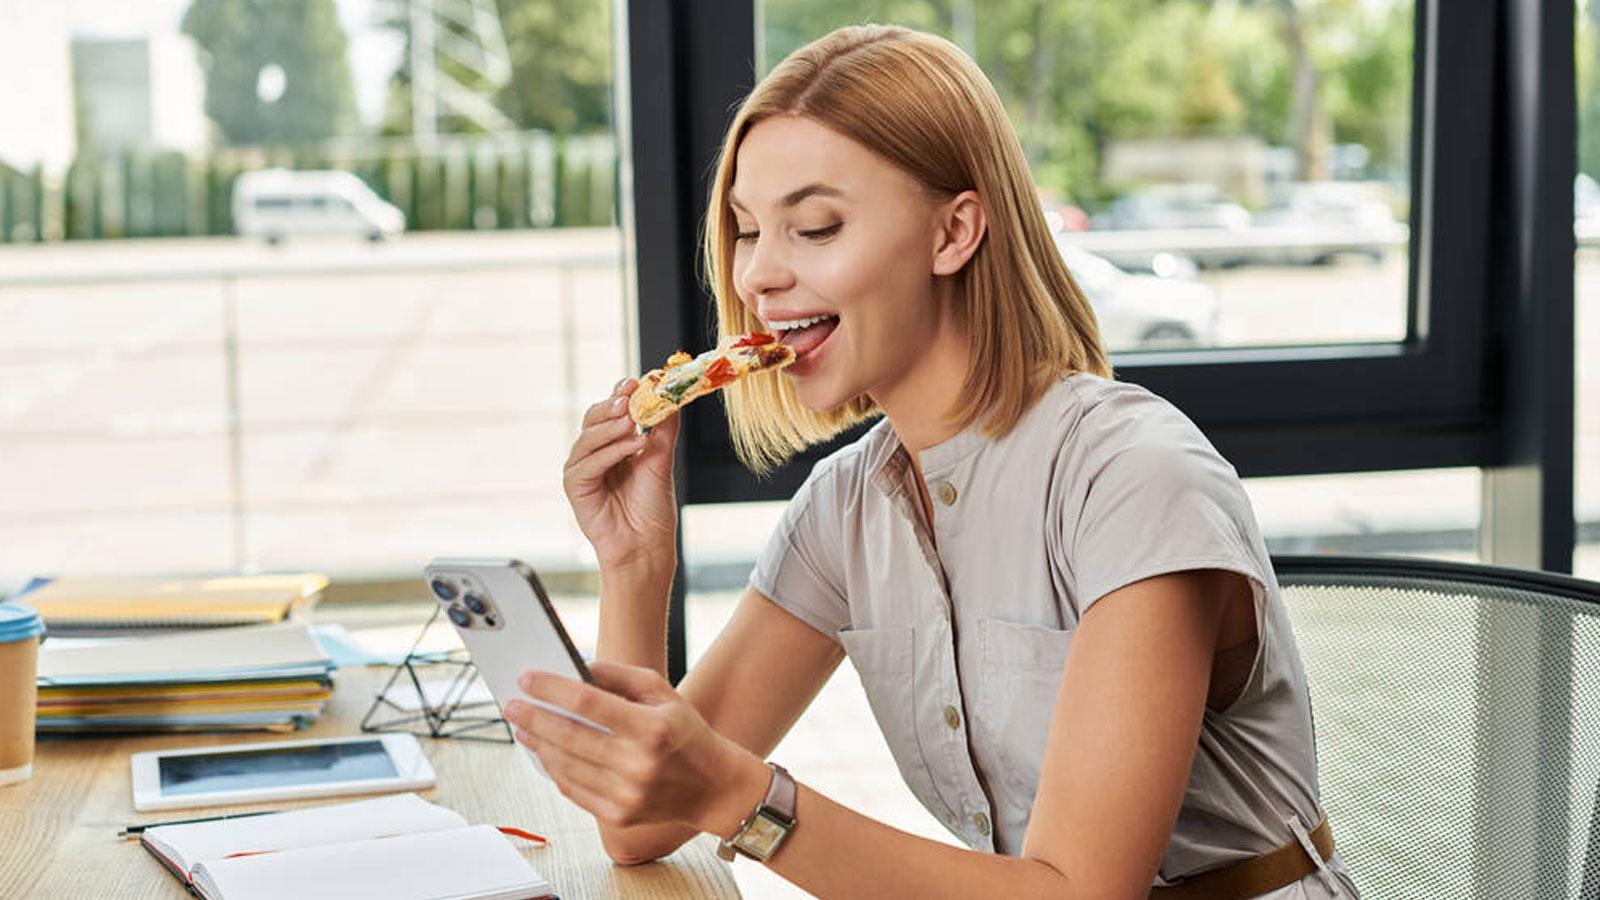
<point>96,603</point>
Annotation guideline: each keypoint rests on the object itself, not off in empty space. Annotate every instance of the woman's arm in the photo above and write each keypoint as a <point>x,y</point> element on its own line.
<point>1122,741</point>
<point>756,679</point>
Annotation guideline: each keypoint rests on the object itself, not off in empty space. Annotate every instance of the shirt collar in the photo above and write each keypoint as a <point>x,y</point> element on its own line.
<point>888,460</point>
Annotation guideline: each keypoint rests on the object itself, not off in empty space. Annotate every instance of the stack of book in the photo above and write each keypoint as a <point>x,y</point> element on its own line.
<point>272,677</point>
<point>146,604</point>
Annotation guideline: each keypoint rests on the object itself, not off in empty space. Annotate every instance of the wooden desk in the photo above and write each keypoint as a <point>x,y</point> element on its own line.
<point>58,830</point>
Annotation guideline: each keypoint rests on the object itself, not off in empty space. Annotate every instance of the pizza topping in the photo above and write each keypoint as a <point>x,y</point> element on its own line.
<point>754,340</point>
<point>719,373</point>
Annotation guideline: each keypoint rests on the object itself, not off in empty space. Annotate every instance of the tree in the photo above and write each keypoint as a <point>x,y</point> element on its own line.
<point>561,68</point>
<point>276,70</point>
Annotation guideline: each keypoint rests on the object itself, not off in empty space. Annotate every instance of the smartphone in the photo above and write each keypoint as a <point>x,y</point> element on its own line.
<point>508,625</point>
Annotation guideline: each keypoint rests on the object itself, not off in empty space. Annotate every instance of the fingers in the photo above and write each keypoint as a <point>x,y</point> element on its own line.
<point>551,728</point>
<point>633,682</point>
<point>605,424</point>
<point>604,410</point>
<point>578,779</point>
<point>596,462</point>
<point>593,703</point>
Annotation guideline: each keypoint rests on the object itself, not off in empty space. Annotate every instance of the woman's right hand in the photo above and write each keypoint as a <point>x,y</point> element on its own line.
<point>620,485</point>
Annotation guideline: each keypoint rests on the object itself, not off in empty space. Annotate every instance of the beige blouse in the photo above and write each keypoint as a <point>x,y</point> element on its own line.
<point>960,637</point>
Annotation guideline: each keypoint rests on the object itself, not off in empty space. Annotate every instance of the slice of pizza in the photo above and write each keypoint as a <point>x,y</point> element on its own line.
<point>685,377</point>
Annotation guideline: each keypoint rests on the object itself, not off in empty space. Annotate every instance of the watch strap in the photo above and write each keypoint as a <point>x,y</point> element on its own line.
<point>778,805</point>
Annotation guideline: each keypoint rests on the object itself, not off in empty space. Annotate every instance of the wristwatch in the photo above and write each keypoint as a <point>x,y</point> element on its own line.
<point>763,832</point>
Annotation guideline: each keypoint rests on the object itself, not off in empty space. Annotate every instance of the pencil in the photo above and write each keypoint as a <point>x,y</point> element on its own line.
<point>136,830</point>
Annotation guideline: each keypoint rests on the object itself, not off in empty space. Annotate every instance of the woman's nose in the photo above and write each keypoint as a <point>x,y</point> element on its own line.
<point>765,271</point>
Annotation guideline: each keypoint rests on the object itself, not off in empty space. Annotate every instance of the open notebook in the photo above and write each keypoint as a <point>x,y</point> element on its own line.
<point>399,847</point>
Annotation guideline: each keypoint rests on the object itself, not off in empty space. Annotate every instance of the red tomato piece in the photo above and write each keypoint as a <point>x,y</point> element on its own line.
<point>719,373</point>
<point>754,340</point>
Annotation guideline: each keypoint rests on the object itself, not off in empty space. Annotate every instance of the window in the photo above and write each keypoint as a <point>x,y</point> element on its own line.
<point>1420,396</point>
<point>1239,173</point>
<point>332,403</point>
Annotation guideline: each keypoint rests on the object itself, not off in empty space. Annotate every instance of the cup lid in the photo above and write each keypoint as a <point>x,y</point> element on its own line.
<point>18,622</point>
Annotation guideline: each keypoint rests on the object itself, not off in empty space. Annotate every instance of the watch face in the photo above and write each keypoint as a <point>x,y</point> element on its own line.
<point>763,836</point>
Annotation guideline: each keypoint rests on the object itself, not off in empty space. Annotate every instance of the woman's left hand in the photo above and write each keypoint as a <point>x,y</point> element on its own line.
<point>661,762</point>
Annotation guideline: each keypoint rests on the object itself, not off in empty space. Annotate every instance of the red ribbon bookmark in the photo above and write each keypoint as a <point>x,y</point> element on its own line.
<point>525,835</point>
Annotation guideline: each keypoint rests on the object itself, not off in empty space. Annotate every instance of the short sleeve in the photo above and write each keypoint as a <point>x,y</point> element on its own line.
<point>800,567</point>
<point>1159,508</point>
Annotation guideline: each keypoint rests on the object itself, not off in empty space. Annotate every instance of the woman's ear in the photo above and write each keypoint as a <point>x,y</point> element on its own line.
<point>959,229</point>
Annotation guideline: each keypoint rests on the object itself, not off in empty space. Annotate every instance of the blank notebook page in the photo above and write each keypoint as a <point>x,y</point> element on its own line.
<point>476,863</point>
<point>189,844</point>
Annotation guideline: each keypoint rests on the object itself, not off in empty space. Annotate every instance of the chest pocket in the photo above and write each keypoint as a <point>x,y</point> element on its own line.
<point>884,659</point>
<point>1021,676</point>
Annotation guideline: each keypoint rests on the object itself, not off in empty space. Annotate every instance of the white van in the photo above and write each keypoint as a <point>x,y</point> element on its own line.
<point>279,203</point>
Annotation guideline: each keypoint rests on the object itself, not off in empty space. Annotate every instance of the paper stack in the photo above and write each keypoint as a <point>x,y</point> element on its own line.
<point>89,605</point>
<point>272,677</point>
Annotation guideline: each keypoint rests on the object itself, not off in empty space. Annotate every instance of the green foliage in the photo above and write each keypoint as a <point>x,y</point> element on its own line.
<point>238,38</point>
<point>1074,74</point>
<point>561,69</point>
<point>560,62</point>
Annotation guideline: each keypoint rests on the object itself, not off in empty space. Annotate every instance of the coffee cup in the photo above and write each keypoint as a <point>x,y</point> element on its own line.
<point>20,632</point>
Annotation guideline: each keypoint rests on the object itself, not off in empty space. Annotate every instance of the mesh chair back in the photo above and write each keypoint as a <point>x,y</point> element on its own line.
<point>1457,710</point>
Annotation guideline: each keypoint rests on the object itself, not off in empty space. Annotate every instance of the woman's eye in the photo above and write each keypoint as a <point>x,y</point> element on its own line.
<point>817,234</point>
<point>742,236</point>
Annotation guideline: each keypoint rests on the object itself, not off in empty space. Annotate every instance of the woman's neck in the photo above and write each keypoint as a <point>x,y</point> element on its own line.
<point>920,405</point>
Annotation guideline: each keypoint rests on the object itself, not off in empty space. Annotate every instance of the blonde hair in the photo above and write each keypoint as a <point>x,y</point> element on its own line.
<point>919,102</point>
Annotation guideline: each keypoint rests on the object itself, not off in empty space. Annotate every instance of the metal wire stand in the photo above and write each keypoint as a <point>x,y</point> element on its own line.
<point>450,716</point>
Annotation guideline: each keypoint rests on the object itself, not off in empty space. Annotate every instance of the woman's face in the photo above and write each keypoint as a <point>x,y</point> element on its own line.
<point>835,255</point>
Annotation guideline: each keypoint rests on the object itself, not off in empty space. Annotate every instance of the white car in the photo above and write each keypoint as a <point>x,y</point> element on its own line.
<point>278,203</point>
<point>1143,312</point>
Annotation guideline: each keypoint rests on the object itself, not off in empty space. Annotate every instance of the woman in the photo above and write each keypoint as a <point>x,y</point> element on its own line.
<point>873,206</point>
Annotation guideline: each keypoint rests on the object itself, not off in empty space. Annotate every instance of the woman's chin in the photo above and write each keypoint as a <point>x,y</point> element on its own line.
<point>817,397</point>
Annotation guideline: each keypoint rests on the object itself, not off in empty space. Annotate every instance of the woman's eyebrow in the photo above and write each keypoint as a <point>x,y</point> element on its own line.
<point>793,198</point>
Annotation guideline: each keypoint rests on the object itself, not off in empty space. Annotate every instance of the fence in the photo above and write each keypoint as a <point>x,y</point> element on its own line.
<point>477,182</point>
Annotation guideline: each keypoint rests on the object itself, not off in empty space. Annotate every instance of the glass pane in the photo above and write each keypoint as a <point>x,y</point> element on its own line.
<point>1586,213</point>
<point>321,290</point>
<point>1219,173</point>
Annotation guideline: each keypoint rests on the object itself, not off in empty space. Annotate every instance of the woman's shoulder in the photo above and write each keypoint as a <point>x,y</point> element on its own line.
<point>850,467</point>
<point>1094,418</point>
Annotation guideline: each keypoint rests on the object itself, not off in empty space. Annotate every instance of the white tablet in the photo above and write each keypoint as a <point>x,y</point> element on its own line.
<point>278,770</point>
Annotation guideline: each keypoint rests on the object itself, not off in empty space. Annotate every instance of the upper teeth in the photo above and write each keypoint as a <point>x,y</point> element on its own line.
<point>790,324</point>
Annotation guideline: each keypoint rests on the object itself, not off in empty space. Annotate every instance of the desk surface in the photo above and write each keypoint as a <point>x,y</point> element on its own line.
<point>58,830</point>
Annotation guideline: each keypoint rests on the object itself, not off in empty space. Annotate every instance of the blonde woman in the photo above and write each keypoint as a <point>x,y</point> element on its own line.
<point>1052,587</point>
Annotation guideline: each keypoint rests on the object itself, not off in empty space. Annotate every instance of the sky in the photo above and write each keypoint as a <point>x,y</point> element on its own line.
<point>374,52</point>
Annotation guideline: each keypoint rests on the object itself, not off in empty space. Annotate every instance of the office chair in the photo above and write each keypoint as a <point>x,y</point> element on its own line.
<point>1457,714</point>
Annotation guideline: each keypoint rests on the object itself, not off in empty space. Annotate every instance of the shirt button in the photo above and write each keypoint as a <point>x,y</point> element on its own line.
<point>952,717</point>
<point>947,493</point>
<point>982,823</point>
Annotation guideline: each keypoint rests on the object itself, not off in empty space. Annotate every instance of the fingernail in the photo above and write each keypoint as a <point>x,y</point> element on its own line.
<point>513,709</point>
<point>619,385</point>
<point>619,404</point>
<point>525,682</point>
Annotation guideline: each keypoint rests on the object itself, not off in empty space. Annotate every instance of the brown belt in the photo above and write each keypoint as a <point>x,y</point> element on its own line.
<point>1255,876</point>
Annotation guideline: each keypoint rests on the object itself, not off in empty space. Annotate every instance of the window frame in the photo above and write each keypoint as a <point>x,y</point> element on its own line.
<point>1438,398</point>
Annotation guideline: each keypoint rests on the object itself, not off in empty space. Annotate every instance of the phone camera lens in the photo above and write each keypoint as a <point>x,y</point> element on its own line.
<point>490,621</point>
<point>475,603</point>
<point>460,616</point>
<point>442,589</point>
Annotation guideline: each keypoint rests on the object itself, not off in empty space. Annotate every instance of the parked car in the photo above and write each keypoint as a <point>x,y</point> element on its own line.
<point>277,203</point>
<point>1143,312</point>
<point>1173,206</point>
<point>1318,221</point>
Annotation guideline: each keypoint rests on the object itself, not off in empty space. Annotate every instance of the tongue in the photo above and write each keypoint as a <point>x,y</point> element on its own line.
<point>804,340</point>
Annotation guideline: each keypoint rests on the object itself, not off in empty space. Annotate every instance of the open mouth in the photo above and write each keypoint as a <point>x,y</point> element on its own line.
<point>805,335</point>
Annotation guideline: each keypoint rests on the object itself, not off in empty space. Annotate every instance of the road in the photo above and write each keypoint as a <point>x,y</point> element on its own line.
<point>212,404</point>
